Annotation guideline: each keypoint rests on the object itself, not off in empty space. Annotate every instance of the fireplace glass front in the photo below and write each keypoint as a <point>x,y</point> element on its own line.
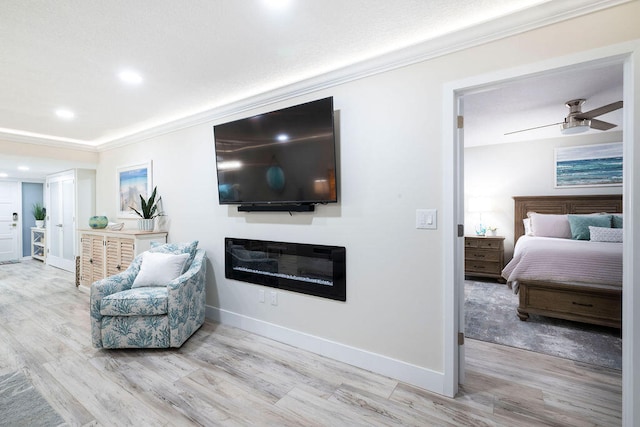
<point>310,269</point>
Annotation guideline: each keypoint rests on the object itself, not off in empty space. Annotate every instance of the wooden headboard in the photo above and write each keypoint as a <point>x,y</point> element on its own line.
<point>562,205</point>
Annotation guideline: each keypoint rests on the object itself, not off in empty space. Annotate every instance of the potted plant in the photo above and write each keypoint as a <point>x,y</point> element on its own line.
<point>491,230</point>
<point>149,209</point>
<point>39,213</point>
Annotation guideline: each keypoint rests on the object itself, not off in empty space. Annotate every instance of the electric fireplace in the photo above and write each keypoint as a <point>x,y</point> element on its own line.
<point>310,269</point>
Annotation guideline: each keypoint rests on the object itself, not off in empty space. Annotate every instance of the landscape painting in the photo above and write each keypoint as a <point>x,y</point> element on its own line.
<point>589,165</point>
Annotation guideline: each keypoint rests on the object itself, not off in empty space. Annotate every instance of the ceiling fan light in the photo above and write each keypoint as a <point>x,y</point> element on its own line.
<point>574,127</point>
<point>574,130</point>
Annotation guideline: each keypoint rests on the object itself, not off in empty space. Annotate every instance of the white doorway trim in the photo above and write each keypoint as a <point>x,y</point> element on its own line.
<point>453,174</point>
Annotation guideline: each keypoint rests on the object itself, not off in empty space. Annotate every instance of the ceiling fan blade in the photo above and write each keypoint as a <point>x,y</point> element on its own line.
<point>600,111</point>
<point>600,125</point>
<point>537,127</point>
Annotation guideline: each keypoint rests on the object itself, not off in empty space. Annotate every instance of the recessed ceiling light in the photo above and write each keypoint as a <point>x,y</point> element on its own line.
<point>283,137</point>
<point>131,77</point>
<point>23,168</point>
<point>277,4</point>
<point>3,175</point>
<point>65,114</point>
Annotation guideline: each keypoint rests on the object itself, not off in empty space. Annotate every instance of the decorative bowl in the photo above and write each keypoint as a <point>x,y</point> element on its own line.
<point>98,221</point>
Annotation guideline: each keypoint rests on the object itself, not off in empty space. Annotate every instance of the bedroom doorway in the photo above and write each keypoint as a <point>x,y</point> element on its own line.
<point>526,157</point>
<point>454,185</point>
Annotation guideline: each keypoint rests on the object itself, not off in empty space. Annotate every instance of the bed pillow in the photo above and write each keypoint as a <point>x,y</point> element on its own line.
<point>550,225</point>
<point>527,227</point>
<point>579,224</point>
<point>158,269</point>
<point>603,234</point>
<point>616,221</point>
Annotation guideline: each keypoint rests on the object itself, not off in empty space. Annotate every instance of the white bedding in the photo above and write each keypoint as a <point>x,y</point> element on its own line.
<point>565,260</point>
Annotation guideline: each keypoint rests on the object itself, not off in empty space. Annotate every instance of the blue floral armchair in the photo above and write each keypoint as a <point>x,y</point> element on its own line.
<point>123,316</point>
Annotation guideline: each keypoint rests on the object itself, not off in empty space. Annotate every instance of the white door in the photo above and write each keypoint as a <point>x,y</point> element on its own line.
<point>10,221</point>
<point>61,222</point>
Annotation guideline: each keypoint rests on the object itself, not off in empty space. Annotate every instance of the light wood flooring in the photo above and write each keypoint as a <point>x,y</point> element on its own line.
<point>226,376</point>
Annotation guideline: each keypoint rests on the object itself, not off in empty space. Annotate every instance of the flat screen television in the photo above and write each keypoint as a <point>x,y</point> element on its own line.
<point>281,158</point>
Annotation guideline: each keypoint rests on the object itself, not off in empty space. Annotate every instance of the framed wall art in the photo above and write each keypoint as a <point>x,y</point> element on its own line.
<point>133,181</point>
<point>589,165</point>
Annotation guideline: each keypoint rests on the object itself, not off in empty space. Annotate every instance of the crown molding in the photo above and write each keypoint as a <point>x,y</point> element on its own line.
<point>49,141</point>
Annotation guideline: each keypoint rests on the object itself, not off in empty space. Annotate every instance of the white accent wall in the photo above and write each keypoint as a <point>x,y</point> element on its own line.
<point>390,164</point>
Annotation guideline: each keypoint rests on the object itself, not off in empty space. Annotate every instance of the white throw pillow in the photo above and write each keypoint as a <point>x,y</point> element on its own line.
<point>527,227</point>
<point>603,234</point>
<point>550,225</point>
<point>158,269</point>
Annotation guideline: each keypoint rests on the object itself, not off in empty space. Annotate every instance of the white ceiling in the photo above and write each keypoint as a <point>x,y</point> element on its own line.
<point>199,55</point>
<point>540,100</point>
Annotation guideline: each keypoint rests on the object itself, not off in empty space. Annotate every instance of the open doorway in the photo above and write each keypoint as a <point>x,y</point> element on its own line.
<point>499,167</point>
<point>453,242</point>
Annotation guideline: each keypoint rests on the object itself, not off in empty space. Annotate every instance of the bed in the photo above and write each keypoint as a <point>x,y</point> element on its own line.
<point>584,284</point>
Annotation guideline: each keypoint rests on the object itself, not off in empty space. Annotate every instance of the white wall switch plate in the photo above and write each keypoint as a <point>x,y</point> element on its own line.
<point>261,295</point>
<point>427,219</point>
<point>274,298</point>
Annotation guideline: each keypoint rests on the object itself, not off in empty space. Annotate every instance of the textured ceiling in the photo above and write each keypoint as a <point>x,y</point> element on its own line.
<point>200,55</point>
<point>194,55</point>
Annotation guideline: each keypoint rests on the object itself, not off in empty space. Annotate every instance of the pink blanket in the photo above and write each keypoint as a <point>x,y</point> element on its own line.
<point>565,260</point>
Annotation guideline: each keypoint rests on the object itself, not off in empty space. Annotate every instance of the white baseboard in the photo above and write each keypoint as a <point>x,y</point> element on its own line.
<point>402,371</point>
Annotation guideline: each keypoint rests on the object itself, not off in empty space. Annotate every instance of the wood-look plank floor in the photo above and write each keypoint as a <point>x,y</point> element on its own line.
<point>226,376</point>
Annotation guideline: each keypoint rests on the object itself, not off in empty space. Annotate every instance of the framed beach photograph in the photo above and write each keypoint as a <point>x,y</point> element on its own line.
<point>133,181</point>
<point>589,165</point>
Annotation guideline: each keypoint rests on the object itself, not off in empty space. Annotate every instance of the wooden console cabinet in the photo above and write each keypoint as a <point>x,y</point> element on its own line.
<point>105,252</point>
<point>484,256</point>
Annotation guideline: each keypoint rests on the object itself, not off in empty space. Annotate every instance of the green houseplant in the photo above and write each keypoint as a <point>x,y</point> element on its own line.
<point>39,213</point>
<point>149,209</point>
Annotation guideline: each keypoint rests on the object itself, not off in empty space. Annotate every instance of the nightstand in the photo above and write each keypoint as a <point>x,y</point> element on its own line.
<point>484,256</point>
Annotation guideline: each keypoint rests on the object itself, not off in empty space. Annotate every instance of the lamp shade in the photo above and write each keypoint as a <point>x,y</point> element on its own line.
<point>479,204</point>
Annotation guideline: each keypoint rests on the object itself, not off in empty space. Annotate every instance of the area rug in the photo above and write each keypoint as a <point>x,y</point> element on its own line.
<point>22,405</point>
<point>490,315</point>
<point>11,261</point>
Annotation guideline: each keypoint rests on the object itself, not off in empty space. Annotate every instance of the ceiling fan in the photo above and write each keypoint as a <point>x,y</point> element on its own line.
<point>577,121</point>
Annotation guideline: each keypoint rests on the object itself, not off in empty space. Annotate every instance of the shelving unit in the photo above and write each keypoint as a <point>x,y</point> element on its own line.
<point>38,241</point>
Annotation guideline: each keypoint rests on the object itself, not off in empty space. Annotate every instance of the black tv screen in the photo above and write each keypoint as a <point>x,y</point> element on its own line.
<point>281,157</point>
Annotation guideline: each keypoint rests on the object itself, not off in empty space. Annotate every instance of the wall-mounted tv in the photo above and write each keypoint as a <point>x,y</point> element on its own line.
<point>283,158</point>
